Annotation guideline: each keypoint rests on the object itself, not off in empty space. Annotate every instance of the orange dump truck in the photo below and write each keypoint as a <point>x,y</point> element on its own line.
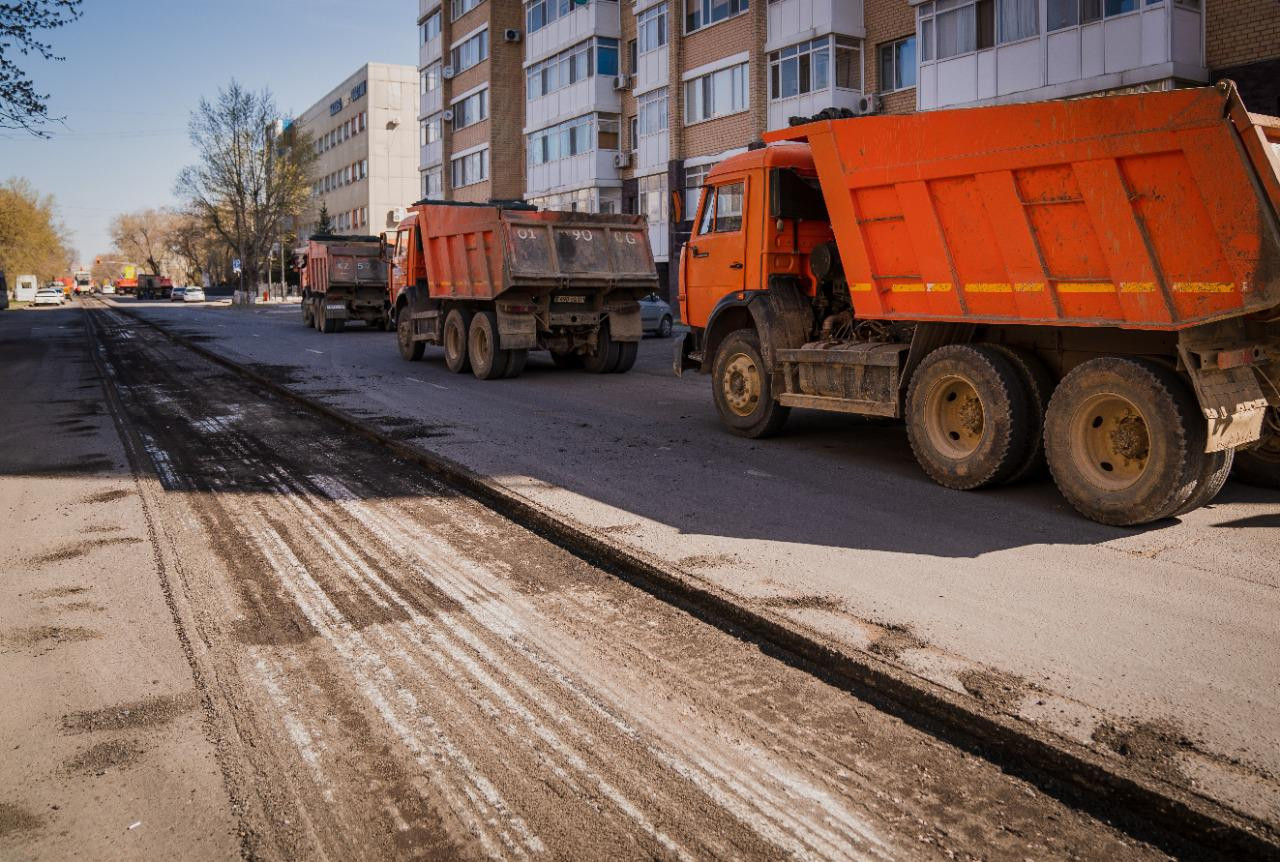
<point>343,278</point>
<point>1091,283</point>
<point>490,282</point>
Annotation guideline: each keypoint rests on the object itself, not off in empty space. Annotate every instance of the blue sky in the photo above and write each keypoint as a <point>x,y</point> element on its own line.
<point>135,69</point>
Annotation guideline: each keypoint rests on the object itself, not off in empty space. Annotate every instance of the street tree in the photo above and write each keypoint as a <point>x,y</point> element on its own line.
<point>143,236</point>
<point>31,238</point>
<point>253,175</point>
<point>22,106</point>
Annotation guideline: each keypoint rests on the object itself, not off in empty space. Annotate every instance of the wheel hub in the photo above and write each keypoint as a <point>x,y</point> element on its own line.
<point>956,421</point>
<point>1110,441</point>
<point>742,384</point>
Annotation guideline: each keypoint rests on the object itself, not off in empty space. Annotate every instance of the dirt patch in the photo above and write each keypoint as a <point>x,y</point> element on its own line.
<point>1004,691</point>
<point>706,561</point>
<point>107,496</point>
<point>97,759</point>
<point>894,640</point>
<point>126,716</point>
<point>47,636</point>
<point>79,549</point>
<point>59,592</point>
<point>82,606</point>
<point>15,818</point>
<point>100,529</point>
<point>401,428</point>
<point>1152,745</point>
<point>285,374</point>
<point>804,603</point>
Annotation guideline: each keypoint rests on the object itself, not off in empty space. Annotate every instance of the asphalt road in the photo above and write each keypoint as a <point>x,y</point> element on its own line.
<point>1158,645</point>
<point>389,669</point>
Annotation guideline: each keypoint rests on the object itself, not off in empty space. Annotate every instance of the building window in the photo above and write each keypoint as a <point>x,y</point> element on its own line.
<point>471,110</point>
<point>651,111</point>
<point>651,29</point>
<point>704,13</point>
<point>432,183</point>
<point>430,26</point>
<point>597,56</point>
<point>718,94</point>
<point>949,28</point>
<point>470,169</point>
<point>540,13</point>
<point>799,69</point>
<point>1070,13</point>
<point>694,179</point>
<point>462,7</point>
<point>633,132</point>
<point>563,140</point>
<point>898,65</point>
<point>651,200</point>
<point>466,54</point>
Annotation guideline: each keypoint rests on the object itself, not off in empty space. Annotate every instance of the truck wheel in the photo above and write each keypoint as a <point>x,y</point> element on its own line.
<point>743,389</point>
<point>566,360</point>
<point>456,324</point>
<point>1125,441</point>
<point>605,357</point>
<point>337,325</point>
<point>307,314</point>
<point>1038,385</point>
<point>488,361</point>
<point>627,353</point>
<point>516,362</point>
<point>968,417</point>
<point>409,349</point>
<point>1213,476</point>
<point>1261,465</point>
<point>317,315</point>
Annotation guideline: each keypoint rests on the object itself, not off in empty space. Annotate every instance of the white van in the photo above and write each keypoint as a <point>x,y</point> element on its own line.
<point>25,288</point>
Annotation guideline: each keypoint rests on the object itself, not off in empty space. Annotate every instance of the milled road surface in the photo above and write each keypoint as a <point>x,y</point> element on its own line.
<point>390,669</point>
<point>1158,646</point>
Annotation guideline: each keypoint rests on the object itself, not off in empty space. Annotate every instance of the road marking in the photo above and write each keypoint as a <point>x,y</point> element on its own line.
<point>312,350</point>
<point>415,380</point>
<point>255,335</point>
<point>438,386</point>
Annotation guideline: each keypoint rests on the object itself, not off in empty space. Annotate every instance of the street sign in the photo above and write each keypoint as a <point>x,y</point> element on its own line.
<point>235,266</point>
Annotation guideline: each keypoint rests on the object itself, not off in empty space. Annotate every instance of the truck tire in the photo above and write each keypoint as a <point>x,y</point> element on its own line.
<point>1125,441</point>
<point>1260,465</point>
<point>1213,476</point>
<point>488,361</point>
<point>307,314</point>
<point>317,314</point>
<point>516,362</point>
<point>627,353</point>
<point>1038,385</point>
<point>743,388</point>
<point>605,357</point>
<point>457,324</point>
<point>968,417</point>
<point>409,349</point>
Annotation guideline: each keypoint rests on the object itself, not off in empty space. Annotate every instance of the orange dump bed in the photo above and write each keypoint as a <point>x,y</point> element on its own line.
<point>344,262</point>
<point>479,252</point>
<point>1155,211</point>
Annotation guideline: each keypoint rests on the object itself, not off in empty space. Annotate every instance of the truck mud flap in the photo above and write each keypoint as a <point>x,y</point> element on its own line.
<point>1226,371</point>
<point>686,355</point>
<point>517,331</point>
<point>336,310</point>
<point>625,326</point>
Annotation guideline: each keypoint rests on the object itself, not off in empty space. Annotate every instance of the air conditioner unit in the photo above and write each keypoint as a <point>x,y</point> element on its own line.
<point>621,160</point>
<point>868,104</point>
<point>621,82</point>
<point>446,72</point>
<point>447,115</point>
<point>511,34</point>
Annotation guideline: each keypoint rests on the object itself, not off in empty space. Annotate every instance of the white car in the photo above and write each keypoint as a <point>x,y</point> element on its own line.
<point>49,296</point>
<point>108,289</point>
<point>176,294</point>
<point>193,294</point>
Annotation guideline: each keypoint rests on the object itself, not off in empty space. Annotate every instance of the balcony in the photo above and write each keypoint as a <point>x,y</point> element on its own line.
<point>431,154</point>
<point>792,21</point>
<point>595,168</point>
<point>1151,44</point>
<point>652,70</point>
<point>808,104</point>
<point>590,95</point>
<point>431,102</point>
<point>597,18</point>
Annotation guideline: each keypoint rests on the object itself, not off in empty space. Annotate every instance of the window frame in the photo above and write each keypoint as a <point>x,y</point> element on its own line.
<point>657,15</point>
<point>481,37</point>
<point>707,92</point>
<point>706,8</point>
<point>895,45</point>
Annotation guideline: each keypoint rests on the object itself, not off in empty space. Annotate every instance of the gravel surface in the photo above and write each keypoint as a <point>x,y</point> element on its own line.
<point>1166,633</point>
<point>391,669</point>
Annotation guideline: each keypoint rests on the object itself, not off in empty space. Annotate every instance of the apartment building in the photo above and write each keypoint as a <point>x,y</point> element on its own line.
<point>471,100</point>
<point>366,166</point>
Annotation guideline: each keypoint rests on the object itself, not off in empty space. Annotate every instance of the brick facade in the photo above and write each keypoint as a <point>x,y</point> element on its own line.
<point>1242,42</point>
<point>886,21</point>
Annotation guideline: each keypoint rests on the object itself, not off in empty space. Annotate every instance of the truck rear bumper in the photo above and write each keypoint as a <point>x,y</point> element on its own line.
<point>687,355</point>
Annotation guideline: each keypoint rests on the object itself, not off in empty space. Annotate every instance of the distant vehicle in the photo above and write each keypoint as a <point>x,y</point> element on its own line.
<point>344,278</point>
<point>153,286</point>
<point>50,294</point>
<point>177,294</point>
<point>655,315</point>
<point>66,284</point>
<point>83,282</point>
<point>24,289</point>
<point>194,293</point>
<point>108,288</point>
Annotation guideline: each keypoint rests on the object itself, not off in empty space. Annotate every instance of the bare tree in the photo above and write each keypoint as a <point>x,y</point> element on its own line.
<point>143,236</point>
<point>21,106</point>
<point>252,173</point>
<point>193,241</point>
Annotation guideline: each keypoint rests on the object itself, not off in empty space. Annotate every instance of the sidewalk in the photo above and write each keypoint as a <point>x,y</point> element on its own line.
<point>105,750</point>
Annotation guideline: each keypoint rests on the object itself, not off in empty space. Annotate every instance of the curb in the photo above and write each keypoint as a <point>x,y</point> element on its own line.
<point>1177,821</point>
